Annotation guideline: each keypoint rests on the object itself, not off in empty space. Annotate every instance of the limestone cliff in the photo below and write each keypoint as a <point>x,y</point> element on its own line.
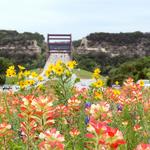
<point>21,47</point>
<point>116,44</point>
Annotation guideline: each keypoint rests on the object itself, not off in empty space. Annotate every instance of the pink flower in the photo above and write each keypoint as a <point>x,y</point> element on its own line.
<point>143,147</point>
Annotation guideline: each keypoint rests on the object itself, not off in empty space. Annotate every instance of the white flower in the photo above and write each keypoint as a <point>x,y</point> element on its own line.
<point>94,108</point>
<point>90,128</point>
<point>50,104</point>
<point>41,136</point>
<point>25,101</point>
<point>8,126</point>
<point>44,100</point>
<point>33,103</point>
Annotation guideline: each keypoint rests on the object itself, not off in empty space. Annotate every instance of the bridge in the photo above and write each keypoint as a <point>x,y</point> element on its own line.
<point>60,48</point>
<point>59,43</point>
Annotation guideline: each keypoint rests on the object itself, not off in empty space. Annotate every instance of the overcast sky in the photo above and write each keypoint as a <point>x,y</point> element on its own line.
<point>79,17</point>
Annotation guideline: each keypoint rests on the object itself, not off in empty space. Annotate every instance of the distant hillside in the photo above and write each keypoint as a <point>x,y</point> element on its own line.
<point>108,50</point>
<point>23,48</point>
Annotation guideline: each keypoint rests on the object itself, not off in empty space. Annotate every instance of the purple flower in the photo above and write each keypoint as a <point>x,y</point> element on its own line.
<point>87,119</point>
<point>87,104</point>
<point>119,107</point>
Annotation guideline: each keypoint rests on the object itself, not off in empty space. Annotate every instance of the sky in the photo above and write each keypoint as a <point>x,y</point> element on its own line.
<point>78,17</point>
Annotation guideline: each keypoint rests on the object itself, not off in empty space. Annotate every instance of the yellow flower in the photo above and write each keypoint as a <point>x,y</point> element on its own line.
<point>96,76</point>
<point>22,84</point>
<point>116,92</point>
<point>40,86</point>
<point>117,83</point>
<point>48,72</point>
<point>12,67</point>
<point>26,73</point>
<point>99,83</point>
<point>21,67</point>
<point>11,72</point>
<point>30,82</point>
<point>58,63</point>
<point>34,74</point>
<point>141,83</point>
<point>59,70</point>
<point>40,78</point>
<point>71,64</point>
<point>20,75</point>
<point>51,67</point>
<point>68,73</point>
<point>96,73</point>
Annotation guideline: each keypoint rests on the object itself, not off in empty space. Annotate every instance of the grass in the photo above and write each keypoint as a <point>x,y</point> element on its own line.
<point>83,74</point>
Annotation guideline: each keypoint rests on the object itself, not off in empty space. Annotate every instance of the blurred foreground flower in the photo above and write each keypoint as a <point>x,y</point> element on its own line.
<point>74,132</point>
<point>143,147</point>
<point>52,139</point>
<point>104,137</point>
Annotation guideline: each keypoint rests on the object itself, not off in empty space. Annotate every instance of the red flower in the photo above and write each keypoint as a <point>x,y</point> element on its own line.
<point>117,143</point>
<point>89,135</point>
<point>111,131</point>
<point>137,127</point>
<point>105,135</point>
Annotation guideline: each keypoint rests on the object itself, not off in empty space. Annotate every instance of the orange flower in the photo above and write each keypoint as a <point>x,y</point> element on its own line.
<point>74,132</point>
<point>98,95</point>
<point>137,127</point>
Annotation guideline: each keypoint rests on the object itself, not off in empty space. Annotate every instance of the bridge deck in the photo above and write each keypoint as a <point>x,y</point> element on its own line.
<point>59,42</point>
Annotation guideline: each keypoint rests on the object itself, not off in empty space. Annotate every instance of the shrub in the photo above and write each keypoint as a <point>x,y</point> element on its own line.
<point>137,69</point>
<point>2,79</point>
<point>4,64</point>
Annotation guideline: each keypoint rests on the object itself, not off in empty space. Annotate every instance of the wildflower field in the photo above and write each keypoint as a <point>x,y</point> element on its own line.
<point>59,116</point>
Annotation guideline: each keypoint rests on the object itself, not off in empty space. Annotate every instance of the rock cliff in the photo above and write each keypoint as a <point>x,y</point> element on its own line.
<point>136,44</point>
<point>21,47</point>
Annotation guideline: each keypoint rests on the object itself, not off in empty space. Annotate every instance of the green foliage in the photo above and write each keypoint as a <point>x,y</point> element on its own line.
<point>101,60</point>
<point>128,115</point>
<point>23,39</point>
<point>37,63</point>
<point>7,36</point>
<point>137,69</point>
<point>117,38</point>
<point>89,61</point>
<point>4,64</point>
<point>76,43</point>
<point>2,79</point>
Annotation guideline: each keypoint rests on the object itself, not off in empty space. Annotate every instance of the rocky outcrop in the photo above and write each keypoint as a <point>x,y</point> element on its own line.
<point>21,47</point>
<point>29,47</point>
<point>135,44</point>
